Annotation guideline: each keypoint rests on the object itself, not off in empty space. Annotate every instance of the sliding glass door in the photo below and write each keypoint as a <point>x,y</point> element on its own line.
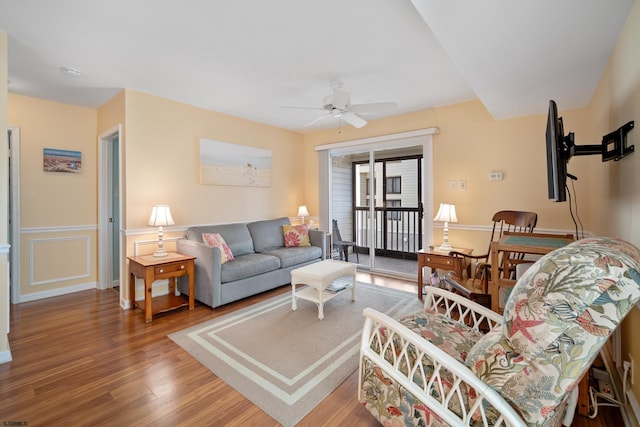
<point>376,203</point>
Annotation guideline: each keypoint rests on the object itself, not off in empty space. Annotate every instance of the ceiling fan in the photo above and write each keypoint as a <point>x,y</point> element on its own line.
<point>338,105</point>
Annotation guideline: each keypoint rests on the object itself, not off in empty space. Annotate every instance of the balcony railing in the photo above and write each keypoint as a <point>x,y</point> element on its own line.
<point>398,231</point>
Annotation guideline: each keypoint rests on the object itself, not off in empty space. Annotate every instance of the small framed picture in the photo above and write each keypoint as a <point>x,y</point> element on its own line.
<point>56,160</point>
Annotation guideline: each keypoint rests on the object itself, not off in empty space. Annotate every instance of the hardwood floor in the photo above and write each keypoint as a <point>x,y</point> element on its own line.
<point>80,360</point>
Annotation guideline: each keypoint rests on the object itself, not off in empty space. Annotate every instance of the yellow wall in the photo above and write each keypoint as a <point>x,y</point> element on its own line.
<point>470,145</point>
<point>160,150</point>
<point>5,354</point>
<point>617,212</point>
<point>161,156</point>
<point>58,211</point>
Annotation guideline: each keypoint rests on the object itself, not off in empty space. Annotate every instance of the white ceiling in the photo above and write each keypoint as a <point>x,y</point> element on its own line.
<point>250,58</point>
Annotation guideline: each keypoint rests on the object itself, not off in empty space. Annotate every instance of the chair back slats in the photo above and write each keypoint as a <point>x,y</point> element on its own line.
<point>503,221</point>
<point>518,221</point>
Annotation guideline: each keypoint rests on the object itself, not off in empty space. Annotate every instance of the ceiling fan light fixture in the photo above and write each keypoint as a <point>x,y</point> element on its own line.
<point>337,113</point>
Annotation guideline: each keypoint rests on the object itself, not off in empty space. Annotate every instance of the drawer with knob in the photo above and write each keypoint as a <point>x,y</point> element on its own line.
<point>170,268</point>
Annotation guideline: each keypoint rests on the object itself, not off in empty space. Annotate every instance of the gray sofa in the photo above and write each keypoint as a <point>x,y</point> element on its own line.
<point>261,260</point>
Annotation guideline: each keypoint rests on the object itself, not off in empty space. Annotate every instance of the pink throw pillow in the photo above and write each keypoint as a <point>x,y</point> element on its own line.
<point>217,241</point>
<point>296,235</point>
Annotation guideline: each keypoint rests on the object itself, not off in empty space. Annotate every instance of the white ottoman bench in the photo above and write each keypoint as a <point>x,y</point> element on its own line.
<point>318,276</point>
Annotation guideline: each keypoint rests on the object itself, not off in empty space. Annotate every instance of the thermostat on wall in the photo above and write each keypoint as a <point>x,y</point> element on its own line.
<point>495,176</point>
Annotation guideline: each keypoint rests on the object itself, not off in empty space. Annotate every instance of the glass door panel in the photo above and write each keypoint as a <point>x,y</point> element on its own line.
<point>398,209</point>
<point>376,201</point>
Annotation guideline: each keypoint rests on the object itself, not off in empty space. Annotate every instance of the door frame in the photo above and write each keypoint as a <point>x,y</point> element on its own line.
<point>423,137</point>
<point>14,262</point>
<point>105,258</point>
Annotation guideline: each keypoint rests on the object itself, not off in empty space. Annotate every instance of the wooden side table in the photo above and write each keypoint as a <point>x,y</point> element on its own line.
<point>434,258</point>
<point>150,269</point>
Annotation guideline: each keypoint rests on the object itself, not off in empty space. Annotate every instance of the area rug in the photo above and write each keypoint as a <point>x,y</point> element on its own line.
<point>285,361</point>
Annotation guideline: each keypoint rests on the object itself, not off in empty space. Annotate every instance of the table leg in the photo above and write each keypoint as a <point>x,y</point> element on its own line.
<point>148,297</point>
<point>294,306</point>
<point>192,290</point>
<point>132,290</point>
<point>353,288</point>
<point>320,305</point>
<point>420,268</point>
<point>172,285</point>
<point>494,289</point>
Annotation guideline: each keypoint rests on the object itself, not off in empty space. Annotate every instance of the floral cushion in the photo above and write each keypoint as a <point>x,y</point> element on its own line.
<point>559,314</point>
<point>391,403</point>
<point>296,235</point>
<point>454,338</point>
<point>388,400</point>
<point>217,241</point>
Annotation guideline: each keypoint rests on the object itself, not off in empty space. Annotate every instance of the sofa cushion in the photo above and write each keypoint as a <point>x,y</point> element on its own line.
<point>217,241</point>
<point>236,235</point>
<point>558,315</point>
<point>248,265</point>
<point>296,235</point>
<point>296,255</point>
<point>267,234</point>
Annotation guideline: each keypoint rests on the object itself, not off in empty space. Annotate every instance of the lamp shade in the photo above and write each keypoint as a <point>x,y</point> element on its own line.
<point>160,216</point>
<point>446,213</point>
<point>303,211</point>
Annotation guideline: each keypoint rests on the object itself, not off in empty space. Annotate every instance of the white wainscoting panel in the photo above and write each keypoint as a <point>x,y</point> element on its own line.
<point>76,248</point>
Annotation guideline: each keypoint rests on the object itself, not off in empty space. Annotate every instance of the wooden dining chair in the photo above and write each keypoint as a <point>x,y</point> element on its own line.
<point>503,221</point>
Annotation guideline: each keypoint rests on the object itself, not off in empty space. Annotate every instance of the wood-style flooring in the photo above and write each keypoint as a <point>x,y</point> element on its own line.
<point>80,360</point>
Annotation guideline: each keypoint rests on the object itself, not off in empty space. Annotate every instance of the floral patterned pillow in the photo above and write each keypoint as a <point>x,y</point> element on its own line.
<point>559,314</point>
<point>217,241</point>
<point>591,282</point>
<point>296,235</point>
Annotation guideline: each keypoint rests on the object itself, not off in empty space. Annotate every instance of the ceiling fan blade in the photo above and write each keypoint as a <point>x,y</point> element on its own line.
<point>314,121</point>
<point>353,119</point>
<point>374,107</point>
<point>340,98</point>
<point>302,108</point>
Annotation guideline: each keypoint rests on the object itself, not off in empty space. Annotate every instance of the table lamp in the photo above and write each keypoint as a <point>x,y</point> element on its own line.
<point>302,212</point>
<point>446,214</point>
<point>160,217</point>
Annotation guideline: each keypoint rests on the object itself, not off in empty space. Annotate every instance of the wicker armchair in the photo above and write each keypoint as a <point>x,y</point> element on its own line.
<point>438,367</point>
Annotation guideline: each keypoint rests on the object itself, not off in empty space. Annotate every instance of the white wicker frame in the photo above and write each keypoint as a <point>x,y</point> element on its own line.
<point>466,311</point>
<point>463,310</point>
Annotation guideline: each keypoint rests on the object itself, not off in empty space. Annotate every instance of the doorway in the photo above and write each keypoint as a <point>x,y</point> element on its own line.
<point>379,190</point>
<point>109,209</point>
<point>13,232</point>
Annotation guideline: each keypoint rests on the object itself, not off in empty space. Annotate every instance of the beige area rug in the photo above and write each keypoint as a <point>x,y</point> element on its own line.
<point>285,361</point>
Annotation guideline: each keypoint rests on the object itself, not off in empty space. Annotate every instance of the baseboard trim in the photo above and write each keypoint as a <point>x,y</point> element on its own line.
<point>56,292</point>
<point>635,406</point>
<point>5,356</point>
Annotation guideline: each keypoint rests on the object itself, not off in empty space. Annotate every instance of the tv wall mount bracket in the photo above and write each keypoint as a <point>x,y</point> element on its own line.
<point>614,144</point>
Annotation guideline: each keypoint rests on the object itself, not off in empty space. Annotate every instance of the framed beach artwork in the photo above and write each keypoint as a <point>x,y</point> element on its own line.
<point>223,163</point>
<point>56,160</point>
